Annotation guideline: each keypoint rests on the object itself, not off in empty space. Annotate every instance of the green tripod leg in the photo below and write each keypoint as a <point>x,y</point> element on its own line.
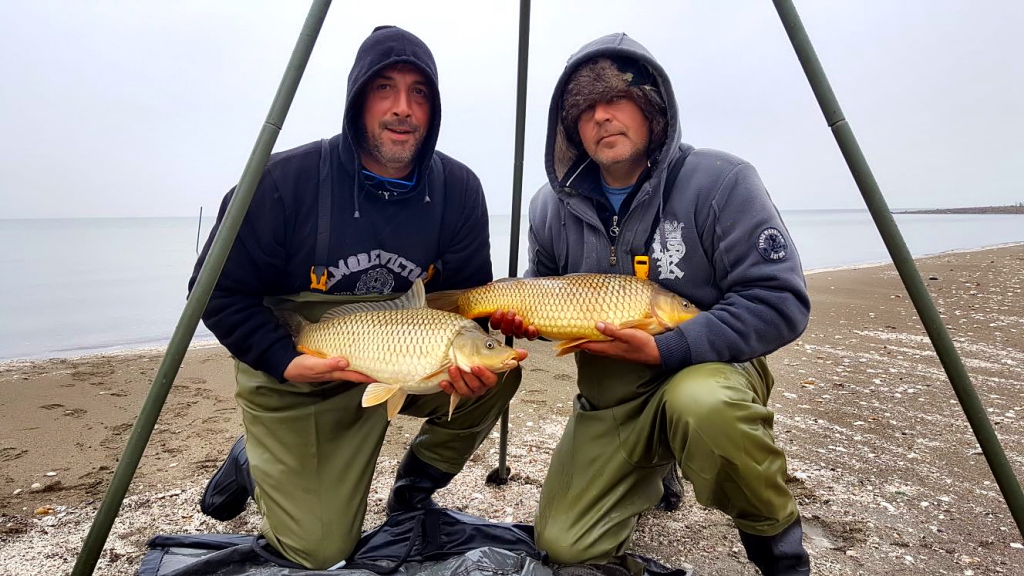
<point>904,261</point>
<point>85,564</point>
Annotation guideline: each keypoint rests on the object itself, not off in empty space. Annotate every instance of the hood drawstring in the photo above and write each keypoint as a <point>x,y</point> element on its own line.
<point>426,183</point>
<point>355,194</point>
<point>568,182</point>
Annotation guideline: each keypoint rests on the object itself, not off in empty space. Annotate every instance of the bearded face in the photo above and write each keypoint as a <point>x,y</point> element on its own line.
<point>396,115</point>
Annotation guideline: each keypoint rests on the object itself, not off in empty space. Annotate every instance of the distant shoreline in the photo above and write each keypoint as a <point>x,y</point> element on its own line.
<point>1014,209</point>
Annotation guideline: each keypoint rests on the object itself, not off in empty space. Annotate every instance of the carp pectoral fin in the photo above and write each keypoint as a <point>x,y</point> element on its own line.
<point>395,403</point>
<point>378,392</point>
<point>569,346</point>
<point>452,404</point>
<point>305,350</point>
<point>427,378</point>
<point>649,325</point>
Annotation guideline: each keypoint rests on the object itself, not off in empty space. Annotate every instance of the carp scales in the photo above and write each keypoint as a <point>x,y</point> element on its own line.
<point>567,308</point>
<point>406,347</point>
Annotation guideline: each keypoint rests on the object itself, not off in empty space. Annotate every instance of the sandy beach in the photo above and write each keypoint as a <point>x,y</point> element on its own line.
<point>884,465</point>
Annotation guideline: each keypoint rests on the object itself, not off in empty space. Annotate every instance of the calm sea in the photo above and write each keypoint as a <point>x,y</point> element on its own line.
<point>75,286</point>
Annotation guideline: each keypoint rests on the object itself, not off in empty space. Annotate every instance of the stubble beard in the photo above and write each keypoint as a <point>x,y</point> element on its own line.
<point>393,157</point>
<point>618,157</point>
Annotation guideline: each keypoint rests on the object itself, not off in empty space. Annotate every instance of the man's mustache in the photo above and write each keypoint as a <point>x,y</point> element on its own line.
<point>407,125</point>
<point>610,131</point>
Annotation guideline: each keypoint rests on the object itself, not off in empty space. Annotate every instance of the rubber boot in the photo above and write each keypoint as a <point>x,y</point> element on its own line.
<point>672,491</point>
<point>779,555</point>
<point>415,483</point>
<point>231,486</point>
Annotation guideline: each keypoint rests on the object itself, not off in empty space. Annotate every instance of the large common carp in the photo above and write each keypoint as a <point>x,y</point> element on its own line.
<point>567,308</point>
<point>402,344</point>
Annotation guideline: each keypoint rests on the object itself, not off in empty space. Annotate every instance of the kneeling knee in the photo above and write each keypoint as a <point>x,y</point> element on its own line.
<point>702,405</point>
<point>316,554</point>
<point>562,550</point>
<point>695,403</point>
<point>329,554</point>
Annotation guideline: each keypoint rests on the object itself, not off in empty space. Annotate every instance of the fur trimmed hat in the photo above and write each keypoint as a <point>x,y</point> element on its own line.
<point>604,77</point>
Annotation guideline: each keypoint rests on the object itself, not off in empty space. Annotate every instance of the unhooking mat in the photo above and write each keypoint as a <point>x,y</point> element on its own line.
<point>434,542</point>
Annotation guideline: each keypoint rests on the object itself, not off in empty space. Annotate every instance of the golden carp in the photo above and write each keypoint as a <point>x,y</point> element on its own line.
<point>566,308</point>
<point>402,344</point>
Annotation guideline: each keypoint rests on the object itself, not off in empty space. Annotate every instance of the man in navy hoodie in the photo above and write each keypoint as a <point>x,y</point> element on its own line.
<point>626,196</point>
<point>357,217</point>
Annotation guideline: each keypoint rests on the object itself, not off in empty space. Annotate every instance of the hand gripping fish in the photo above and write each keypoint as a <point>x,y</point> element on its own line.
<point>405,346</point>
<point>567,308</point>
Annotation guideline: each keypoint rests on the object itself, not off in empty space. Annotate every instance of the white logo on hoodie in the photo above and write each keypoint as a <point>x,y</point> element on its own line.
<point>666,257</point>
<point>374,259</point>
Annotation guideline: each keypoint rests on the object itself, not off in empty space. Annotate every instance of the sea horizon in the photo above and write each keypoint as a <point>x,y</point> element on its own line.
<point>80,286</point>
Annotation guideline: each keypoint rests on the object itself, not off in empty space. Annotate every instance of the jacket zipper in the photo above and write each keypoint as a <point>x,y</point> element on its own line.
<point>613,234</point>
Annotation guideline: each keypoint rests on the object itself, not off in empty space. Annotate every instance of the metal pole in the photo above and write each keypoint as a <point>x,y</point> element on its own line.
<point>904,261</point>
<point>517,202</point>
<point>199,229</point>
<point>208,274</point>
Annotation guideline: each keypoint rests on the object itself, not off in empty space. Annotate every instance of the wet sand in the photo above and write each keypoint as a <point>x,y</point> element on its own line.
<point>884,465</point>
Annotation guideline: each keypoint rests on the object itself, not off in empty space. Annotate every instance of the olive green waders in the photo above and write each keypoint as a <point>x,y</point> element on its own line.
<point>630,423</point>
<point>313,448</point>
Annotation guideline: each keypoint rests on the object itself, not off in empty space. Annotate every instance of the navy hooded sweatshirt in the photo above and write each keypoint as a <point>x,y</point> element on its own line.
<point>380,241</point>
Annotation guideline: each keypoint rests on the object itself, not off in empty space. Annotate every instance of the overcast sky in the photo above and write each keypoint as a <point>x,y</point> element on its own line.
<point>137,108</point>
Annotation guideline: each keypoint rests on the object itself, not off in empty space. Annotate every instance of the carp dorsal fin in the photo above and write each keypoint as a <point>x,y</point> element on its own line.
<point>447,300</point>
<point>414,298</point>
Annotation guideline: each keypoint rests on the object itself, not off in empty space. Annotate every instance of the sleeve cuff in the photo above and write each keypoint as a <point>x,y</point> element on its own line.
<point>674,349</point>
<point>276,361</point>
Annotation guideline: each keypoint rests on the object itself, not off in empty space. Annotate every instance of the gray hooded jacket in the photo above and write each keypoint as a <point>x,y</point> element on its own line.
<point>718,241</point>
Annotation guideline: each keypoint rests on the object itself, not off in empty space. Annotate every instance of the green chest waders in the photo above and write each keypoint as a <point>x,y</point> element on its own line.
<point>629,423</point>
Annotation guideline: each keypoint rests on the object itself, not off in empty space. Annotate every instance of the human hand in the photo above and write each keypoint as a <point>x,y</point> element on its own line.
<point>512,325</point>
<point>308,369</point>
<point>475,382</point>
<point>631,344</point>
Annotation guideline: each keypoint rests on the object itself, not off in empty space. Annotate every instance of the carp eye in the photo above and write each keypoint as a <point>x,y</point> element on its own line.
<point>490,344</point>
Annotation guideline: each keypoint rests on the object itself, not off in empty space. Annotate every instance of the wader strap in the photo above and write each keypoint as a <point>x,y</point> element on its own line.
<point>318,273</point>
<point>436,188</point>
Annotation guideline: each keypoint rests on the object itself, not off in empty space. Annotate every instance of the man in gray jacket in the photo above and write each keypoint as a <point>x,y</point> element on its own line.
<point>623,192</point>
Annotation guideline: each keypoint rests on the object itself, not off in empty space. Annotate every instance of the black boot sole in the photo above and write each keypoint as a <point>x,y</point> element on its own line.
<point>226,494</point>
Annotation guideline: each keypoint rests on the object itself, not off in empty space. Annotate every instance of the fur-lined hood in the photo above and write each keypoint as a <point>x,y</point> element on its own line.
<point>560,151</point>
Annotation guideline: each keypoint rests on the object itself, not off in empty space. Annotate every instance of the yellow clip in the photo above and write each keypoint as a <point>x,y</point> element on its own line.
<point>317,283</point>
<point>641,266</point>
